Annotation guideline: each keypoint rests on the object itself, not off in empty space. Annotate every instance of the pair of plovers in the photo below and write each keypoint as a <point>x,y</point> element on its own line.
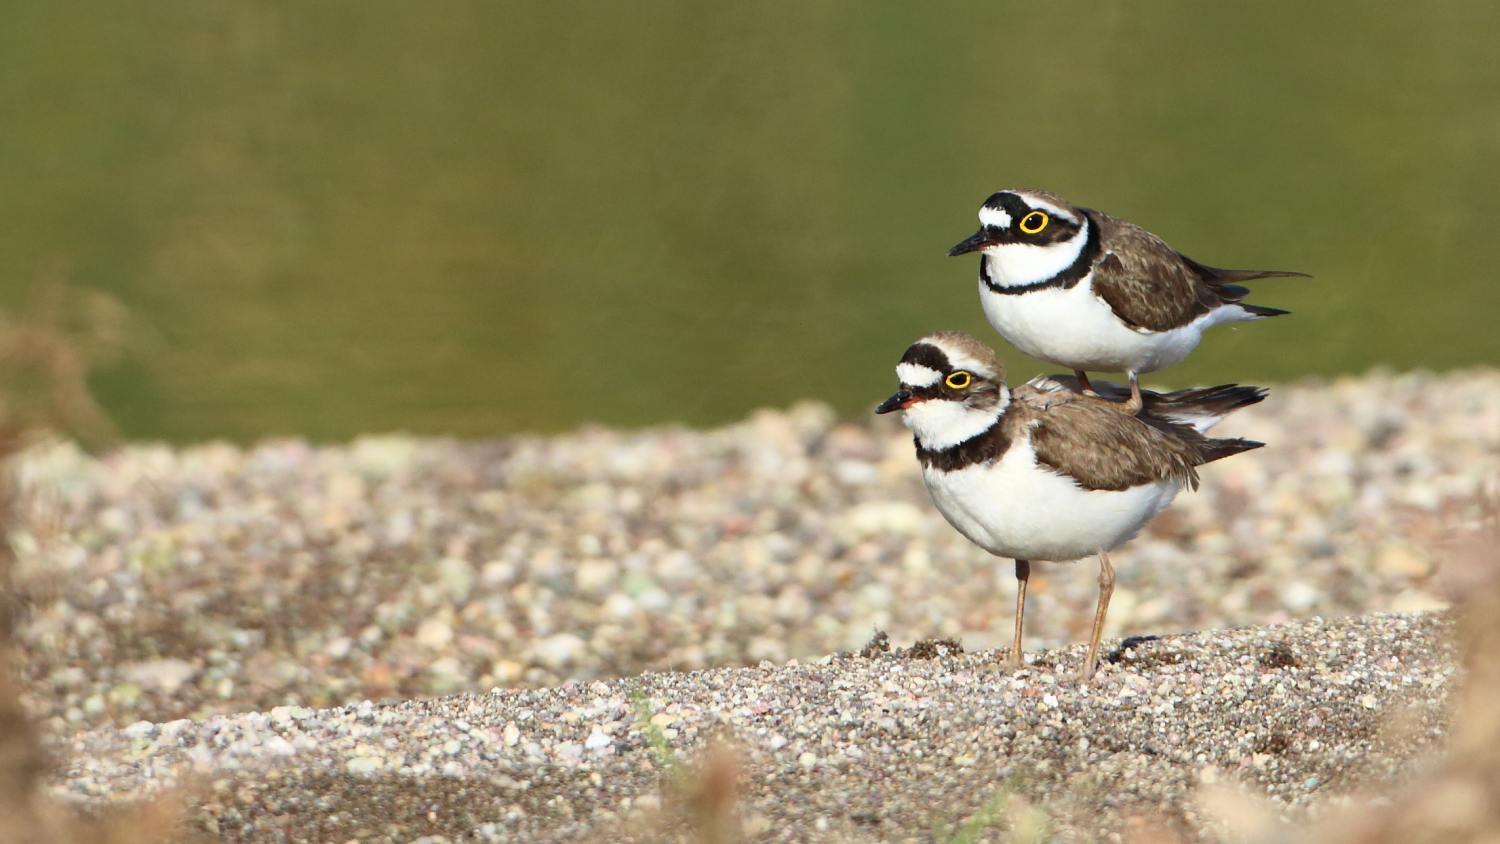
<point>1062,468</point>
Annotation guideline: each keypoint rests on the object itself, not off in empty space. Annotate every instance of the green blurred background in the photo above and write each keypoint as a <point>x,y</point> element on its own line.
<point>476,218</point>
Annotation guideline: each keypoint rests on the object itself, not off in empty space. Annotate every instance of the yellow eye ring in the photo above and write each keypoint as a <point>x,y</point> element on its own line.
<point>958,380</point>
<point>1034,222</point>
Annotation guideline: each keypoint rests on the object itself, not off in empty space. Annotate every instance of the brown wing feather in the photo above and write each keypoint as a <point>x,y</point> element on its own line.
<point>1198,401</point>
<point>1152,286</point>
<point>1144,281</point>
<point>1101,448</point>
<point>1091,441</point>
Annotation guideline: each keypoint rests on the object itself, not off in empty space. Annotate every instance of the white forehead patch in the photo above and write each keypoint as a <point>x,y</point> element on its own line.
<point>917,375</point>
<point>1037,202</point>
<point>994,217</point>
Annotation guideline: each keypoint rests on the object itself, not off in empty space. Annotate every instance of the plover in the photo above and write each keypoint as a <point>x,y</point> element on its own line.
<point>1044,471</point>
<point>1084,290</point>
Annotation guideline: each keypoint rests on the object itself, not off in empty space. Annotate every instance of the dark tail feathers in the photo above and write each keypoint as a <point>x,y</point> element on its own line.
<point>1177,412</point>
<point>1262,310</point>
<point>1223,276</point>
<point>1182,407</point>
<point>1200,401</point>
<point>1219,287</point>
<point>1218,449</point>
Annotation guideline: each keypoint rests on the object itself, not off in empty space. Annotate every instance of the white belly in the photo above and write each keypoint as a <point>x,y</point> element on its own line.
<point>1074,328</point>
<point>1020,510</point>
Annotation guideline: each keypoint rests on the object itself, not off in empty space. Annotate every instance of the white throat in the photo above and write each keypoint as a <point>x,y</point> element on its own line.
<point>941,424</point>
<point>1017,264</point>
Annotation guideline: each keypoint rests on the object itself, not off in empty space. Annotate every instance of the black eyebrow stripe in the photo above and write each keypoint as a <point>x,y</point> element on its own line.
<point>928,355</point>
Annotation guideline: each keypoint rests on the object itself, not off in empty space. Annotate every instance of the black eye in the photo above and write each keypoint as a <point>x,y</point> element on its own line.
<point>1034,222</point>
<point>958,380</point>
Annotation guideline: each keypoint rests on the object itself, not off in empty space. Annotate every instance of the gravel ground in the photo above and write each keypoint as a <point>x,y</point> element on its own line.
<point>165,583</point>
<point>878,747</point>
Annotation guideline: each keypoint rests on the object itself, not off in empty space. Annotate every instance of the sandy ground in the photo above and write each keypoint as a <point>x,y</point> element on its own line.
<point>161,583</point>
<point>885,746</point>
<point>302,640</point>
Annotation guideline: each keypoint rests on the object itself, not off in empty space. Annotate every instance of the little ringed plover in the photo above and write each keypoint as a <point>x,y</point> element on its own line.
<point>1085,290</point>
<point>1044,471</point>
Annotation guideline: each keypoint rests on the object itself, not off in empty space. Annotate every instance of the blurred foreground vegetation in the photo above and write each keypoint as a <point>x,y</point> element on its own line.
<point>476,218</point>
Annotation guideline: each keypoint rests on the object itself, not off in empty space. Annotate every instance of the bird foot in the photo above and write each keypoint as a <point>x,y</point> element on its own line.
<point>1010,664</point>
<point>1134,404</point>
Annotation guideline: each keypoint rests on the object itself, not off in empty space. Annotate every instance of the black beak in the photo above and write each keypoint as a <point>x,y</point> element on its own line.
<point>977,241</point>
<point>896,402</point>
